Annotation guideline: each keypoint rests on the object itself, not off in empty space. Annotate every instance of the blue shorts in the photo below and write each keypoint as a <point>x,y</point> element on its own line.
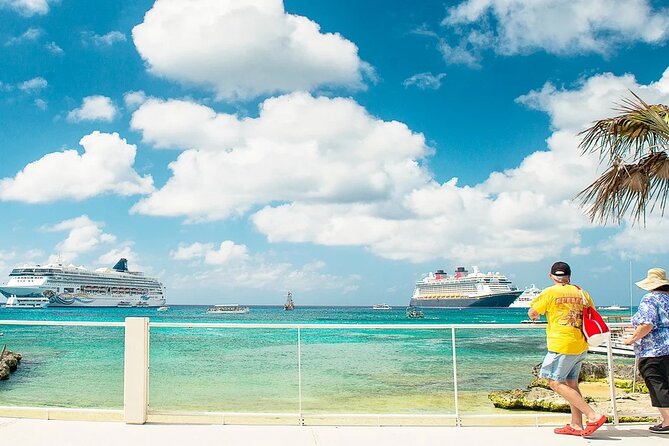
<point>561,368</point>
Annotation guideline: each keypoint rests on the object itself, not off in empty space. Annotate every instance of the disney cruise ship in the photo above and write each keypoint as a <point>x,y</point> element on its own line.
<point>70,286</point>
<point>464,289</point>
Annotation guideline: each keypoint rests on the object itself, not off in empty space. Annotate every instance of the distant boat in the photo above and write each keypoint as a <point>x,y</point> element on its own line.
<point>27,302</point>
<point>289,305</point>
<point>618,335</point>
<point>414,313</point>
<point>163,308</point>
<point>613,307</point>
<point>381,307</point>
<point>525,299</point>
<point>227,309</point>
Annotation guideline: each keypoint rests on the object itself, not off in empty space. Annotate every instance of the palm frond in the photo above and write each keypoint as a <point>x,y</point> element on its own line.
<point>634,144</point>
<point>638,127</point>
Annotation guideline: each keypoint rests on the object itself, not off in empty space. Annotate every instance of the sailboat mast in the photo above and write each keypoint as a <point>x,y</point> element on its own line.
<point>631,301</point>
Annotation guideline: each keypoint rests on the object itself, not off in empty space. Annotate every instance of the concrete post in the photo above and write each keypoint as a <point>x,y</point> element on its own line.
<point>136,370</point>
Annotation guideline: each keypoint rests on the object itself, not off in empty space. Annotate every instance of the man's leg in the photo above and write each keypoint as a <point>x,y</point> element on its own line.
<point>575,400</point>
<point>576,414</point>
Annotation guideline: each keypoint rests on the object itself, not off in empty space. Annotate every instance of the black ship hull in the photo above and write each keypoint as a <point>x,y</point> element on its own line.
<point>501,300</point>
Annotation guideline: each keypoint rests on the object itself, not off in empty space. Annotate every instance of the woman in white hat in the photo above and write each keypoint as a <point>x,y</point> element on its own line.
<point>651,342</point>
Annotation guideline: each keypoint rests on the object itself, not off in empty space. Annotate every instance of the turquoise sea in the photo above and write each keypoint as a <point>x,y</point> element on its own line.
<point>255,370</point>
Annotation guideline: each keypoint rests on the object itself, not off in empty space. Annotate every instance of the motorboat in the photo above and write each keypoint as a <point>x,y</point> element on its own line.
<point>618,335</point>
<point>27,302</point>
<point>535,322</point>
<point>228,309</point>
<point>414,313</point>
<point>381,307</point>
<point>613,307</point>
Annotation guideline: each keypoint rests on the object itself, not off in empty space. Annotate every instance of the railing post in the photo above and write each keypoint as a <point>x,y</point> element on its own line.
<point>299,374</point>
<point>136,370</point>
<point>612,384</point>
<point>458,422</point>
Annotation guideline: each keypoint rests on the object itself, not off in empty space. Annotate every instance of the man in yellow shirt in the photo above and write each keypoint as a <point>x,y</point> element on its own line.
<point>563,305</point>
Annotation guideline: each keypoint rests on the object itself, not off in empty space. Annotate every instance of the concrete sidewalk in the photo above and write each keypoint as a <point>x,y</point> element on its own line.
<point>31,432</point>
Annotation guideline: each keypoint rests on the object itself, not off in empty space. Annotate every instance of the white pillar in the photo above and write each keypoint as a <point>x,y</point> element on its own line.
<point>136,370</point>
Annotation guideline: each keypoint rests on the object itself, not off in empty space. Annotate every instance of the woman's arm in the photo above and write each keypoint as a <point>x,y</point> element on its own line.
<point>641,331</point>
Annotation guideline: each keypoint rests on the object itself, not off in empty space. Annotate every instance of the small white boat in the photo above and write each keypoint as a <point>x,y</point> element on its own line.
<point>530,321</point>
<point>613,307</point>
<point>27,302</point>
<point>618,335</point>
<point>617,346</point>
<point>414,313</point>
<point>227,309</point>
<point>163,308</point>
<point>381,307</point>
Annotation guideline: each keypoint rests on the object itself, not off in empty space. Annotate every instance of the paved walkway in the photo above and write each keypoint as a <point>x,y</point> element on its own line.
<point>31,432</point>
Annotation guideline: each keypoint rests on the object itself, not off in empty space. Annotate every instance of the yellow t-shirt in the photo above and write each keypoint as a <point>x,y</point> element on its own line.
<point>563,307</point>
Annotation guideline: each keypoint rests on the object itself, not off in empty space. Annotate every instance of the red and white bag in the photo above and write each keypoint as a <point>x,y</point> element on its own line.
<point>594,328</point>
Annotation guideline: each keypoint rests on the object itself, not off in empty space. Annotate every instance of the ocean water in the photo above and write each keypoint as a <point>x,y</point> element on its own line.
<point>256,370</point>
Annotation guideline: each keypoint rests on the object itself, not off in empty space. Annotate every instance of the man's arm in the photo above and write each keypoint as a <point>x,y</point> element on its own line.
<point>533,314</point>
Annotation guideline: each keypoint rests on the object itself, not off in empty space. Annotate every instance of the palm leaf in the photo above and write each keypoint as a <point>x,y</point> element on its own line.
<point>639,134</point>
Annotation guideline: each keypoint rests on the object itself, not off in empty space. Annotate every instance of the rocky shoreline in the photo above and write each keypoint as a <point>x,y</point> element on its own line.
<point>632,407</point>
<point>9,361</point>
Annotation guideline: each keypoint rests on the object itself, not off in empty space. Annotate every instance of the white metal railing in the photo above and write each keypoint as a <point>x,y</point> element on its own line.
<point>136,360</point>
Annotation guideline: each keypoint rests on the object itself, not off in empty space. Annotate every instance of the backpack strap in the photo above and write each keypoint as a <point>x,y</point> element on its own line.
<point>584,300</point>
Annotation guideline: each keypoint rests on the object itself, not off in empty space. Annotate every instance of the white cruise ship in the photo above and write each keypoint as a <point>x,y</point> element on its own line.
<point>464,289</point>
<point>525,299</point>
<point>70,286</point>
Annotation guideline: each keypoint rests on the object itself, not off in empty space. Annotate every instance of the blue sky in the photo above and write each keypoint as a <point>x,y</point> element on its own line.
<point>338,149</point>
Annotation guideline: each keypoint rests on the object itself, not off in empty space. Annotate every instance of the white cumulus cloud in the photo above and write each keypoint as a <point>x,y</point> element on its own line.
<point>105,167</point>
<point>33,85</point>
<point>125,251</point>
<point>510,216</point>
<point>244,48</point>
<point>93,108</point>
<point>321,170</point>
<point>636,241</point>
<point>106,39</point>
<point>556,26</point>
<point>425,81</point>
<point>84,235</point>
<point>28,7</point>
<point>298,148</point>
<point>231,265</point>
<point>53,48</point>
<point>227,252</point>
<point>134,99</point>
<point>30,35</point>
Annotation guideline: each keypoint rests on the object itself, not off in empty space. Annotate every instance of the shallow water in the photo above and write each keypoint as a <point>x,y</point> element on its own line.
<point>244,370</point>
